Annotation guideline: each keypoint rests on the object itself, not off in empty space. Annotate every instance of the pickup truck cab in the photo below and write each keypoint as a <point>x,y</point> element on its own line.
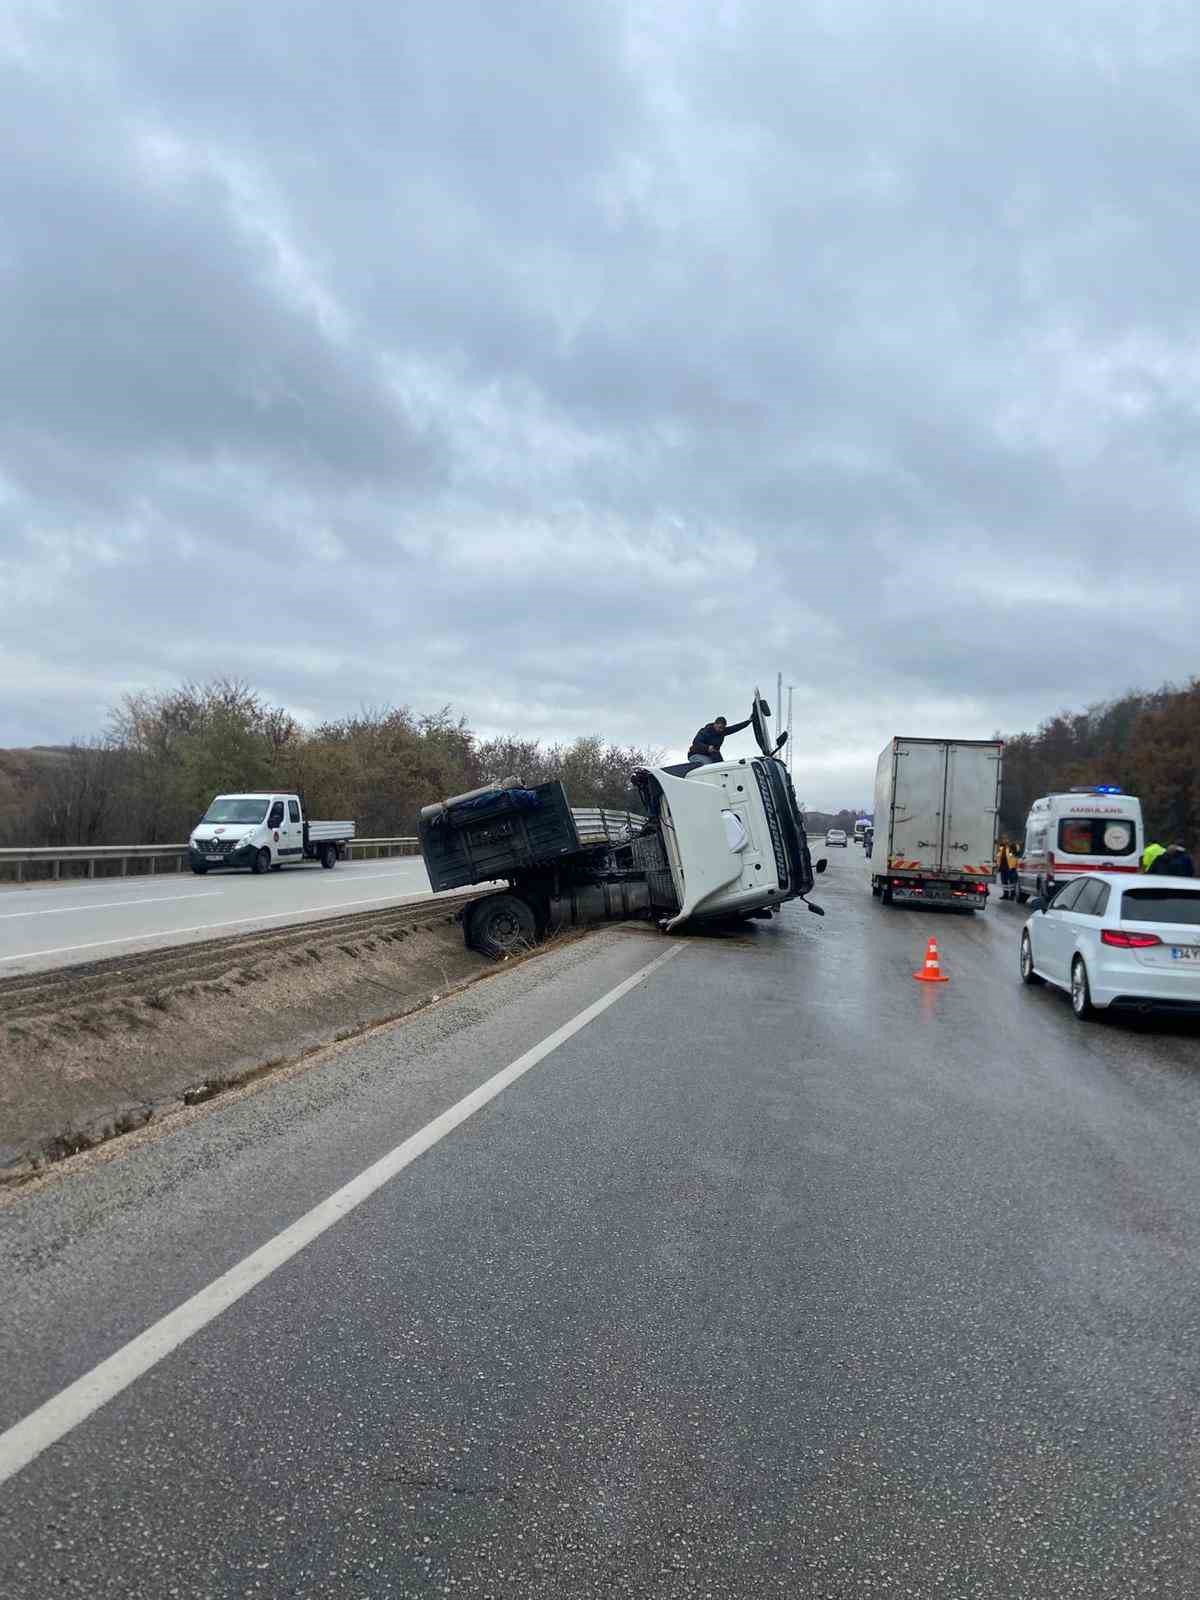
<point>261,832</point>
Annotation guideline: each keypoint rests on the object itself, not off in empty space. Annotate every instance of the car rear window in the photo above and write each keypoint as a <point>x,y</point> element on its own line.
<point>1161,905</point>
<point>1095,836</point>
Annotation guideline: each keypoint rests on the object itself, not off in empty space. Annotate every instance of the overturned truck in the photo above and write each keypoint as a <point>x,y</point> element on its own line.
<point>716,843</point>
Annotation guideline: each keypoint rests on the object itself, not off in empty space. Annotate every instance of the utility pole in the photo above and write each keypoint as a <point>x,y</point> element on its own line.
<point>790,746</point>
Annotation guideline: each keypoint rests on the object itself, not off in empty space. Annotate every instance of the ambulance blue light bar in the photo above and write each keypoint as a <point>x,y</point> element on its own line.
<point>1096,788</point>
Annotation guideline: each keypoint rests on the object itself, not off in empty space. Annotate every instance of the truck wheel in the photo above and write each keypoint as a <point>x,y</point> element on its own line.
<point>262,861</point>
<point>885,897</point>
<point>329,856</point>
<point>501,925</point>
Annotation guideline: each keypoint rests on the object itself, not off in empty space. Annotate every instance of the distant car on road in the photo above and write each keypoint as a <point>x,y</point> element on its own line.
<point>836,836</point>
<point>1119,941</point>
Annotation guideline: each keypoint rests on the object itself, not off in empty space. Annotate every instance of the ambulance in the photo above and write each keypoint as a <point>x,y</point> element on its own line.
<point>1088,829</point>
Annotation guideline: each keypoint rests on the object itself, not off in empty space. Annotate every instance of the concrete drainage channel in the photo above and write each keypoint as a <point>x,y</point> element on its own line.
<point>89,1053</point>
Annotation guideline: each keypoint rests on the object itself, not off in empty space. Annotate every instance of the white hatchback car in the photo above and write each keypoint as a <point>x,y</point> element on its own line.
<point>1112,939</point>
<point>836,836</point>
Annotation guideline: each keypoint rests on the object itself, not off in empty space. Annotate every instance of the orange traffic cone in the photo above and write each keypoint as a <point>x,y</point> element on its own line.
<point>932,972</point>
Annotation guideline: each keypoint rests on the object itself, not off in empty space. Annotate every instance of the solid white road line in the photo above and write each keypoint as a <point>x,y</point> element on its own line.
<point>209,927</point>
<point>107,905</point>
<point>26,1440</point>
<point>361,869</point>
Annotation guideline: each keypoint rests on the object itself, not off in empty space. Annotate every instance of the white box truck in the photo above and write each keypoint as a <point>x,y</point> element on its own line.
<point>936,807</point>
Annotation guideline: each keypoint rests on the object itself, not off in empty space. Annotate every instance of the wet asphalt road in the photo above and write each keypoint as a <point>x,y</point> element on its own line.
<point>64,924</point>
<point>785,1275</point>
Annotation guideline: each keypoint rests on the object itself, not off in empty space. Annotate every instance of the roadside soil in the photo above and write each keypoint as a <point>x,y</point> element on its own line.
<point>87,1054</point>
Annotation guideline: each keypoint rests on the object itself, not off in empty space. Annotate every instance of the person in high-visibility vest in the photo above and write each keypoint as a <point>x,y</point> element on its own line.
<point>1151,854</point>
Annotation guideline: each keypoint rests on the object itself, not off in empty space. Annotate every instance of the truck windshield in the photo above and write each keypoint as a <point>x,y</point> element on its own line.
<point>227,809</point>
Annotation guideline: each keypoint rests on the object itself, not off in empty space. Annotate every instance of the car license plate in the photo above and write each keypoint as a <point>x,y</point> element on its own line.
<point>1185,952</point>
<point>937,888</point>
<point>214,858</point>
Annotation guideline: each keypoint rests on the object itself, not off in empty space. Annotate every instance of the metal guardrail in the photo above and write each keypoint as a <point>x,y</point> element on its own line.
<point>55,857</point>
<point>597,823</point>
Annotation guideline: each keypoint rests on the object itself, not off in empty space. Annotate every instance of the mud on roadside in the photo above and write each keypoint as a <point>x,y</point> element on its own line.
<point>90,1061</point>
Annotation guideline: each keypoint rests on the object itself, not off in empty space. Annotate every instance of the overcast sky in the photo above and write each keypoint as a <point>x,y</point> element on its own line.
<point>580,365</point>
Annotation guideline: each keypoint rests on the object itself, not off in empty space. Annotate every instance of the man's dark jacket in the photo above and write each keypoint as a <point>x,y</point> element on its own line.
<point>1173,864</point>
<point>709,738</point>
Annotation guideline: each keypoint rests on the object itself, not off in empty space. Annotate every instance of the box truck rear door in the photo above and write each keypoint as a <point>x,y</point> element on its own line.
<point>917,801</point>
<point>972,794</point>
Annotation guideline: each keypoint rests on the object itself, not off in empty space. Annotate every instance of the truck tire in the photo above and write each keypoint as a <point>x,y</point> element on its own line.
<point>262,861</point>
<point>501,925</point>
<point>329,856</point>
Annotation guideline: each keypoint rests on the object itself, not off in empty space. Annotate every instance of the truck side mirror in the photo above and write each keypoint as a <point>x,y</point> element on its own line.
<point>822,864</point>
<point>817,911</point>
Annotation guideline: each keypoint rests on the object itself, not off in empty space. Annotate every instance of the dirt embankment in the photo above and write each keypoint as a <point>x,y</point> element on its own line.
<point>87,1053</point>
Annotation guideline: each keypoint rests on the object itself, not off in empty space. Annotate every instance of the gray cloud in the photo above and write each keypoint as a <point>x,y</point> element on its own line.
<point>582,365</point>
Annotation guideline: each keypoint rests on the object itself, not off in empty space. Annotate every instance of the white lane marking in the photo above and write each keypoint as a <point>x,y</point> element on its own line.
<point>207,927</point>
<point>107,905</point>
<point>26,1440</point>
<point>113,884</point>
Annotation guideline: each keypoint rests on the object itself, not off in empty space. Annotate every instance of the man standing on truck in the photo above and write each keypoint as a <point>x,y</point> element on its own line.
<point>705,748</point>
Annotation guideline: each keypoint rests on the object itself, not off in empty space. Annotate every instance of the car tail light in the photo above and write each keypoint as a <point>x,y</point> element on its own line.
<point>1128,941</point>
<point>981,888</point>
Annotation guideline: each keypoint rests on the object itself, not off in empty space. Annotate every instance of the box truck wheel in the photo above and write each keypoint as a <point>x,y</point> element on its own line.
<point>329,856</point>
<point>501,925</point>
<point>262,861</point>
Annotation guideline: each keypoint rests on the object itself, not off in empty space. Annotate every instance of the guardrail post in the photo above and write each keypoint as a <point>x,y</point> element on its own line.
<point>91,866</point>
<point>56,864</point>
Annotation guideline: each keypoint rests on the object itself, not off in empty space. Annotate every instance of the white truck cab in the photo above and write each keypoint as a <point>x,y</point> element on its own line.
<point>732,833</point>
<point>263,831</point>
<point>1087,829</point>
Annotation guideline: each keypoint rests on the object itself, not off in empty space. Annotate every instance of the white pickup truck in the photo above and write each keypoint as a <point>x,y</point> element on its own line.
<point>263,831</point>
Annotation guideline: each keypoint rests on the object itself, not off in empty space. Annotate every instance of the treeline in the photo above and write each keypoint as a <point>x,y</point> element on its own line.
<point>163,756</point>
<point>820,822</point>
<point>149,777</point>
<point>1148,744</point>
